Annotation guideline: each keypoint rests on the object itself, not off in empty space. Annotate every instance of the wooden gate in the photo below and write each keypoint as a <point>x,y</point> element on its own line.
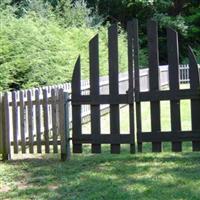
<point>114,99</point>
<point>135,96</point>
<point>174,95</point>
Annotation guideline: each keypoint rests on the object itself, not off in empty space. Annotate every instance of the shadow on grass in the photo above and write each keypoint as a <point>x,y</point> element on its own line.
<point>106,176</point>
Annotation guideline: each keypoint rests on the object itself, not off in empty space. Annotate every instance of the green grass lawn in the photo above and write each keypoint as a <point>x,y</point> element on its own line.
<point>125,176</point>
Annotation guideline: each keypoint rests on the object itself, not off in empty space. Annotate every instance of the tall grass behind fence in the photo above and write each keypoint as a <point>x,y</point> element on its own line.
<point>34,121</point>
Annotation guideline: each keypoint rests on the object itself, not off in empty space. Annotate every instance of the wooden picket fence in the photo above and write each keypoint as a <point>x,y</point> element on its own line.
<point>134,95</point>
<point>32,121</point>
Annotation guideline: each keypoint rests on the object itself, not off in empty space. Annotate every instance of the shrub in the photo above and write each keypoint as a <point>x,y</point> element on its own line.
<point>37,51</point>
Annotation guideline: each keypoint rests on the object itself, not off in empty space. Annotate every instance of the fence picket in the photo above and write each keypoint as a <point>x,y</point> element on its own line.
<point>6,128</point>
<point>62,124</point>
<point>30,121</point>
<point>137,85</point>
<point>152,32</point>
<point>76,111</point>
<point>94,90</point>
<point>15,121</point>
<point>22,122</point>
<point>113,84</point>
<point>54,120</point>
<point>132,48</point>
<point>46,120</point>
<point>173,60</point>
<point>195,103</point>
<point>38,120</point>
<point>67,130</point>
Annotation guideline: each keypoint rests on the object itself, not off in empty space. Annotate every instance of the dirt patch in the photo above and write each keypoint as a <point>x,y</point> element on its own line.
<point>22,185</point>
<point>52,187</point>
<point>4,188</point>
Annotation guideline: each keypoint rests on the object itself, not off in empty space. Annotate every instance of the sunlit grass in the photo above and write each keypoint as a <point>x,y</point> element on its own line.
<point>124,176</point>
<point>104,176</point>
<point>146,122</point>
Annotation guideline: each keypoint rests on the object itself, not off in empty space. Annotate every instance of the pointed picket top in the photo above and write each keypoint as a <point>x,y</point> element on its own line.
<point>133,50</point>
<point>171,33</point>
<point>153,23</point>
<point>132,31</point>
<point>193,69</point>
<point>130,57</point>
<point>172,30</point>
<point>173,58</point>
<point>112,27</point>
<point>94,39</point>
<point>76,73</point>
<point>76,78</point>
<point>94,64</point>
<point>153,54</point>
<point>113,58</point>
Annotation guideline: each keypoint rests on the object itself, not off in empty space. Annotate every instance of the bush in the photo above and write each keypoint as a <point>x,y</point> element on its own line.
<point>38,51</point>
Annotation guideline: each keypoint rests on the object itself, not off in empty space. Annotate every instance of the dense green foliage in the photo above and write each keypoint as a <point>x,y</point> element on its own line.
<point>37,49</point>
<point>182,15</point>
<point>41,39</point>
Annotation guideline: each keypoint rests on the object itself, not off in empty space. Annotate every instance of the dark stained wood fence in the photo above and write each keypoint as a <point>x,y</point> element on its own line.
<point>136,96</point>
<point>176,136</point>
<point>94,99</point>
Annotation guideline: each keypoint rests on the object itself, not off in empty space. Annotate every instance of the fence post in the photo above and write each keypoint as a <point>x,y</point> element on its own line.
<point>64,125</point>
<point>5,129</point>
<point>66,110</point>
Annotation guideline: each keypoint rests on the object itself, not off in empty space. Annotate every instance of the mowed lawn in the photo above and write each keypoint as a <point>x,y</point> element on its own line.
<point>86,176</point>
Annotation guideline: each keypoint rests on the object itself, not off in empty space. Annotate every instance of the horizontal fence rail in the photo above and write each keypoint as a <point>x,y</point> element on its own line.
<point>123,86</point>
<point>32,120</point>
